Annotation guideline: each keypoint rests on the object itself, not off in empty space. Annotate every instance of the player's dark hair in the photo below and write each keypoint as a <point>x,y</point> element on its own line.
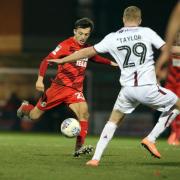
<point>84,23</point>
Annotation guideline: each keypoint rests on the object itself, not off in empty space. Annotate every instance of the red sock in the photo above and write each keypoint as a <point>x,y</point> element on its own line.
<point>81,138</point>
<point>27,108</point>
<point>178,127</point>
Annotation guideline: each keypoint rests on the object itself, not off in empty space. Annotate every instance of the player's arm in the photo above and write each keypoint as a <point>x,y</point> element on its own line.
<point>83,53</point>
<point>59,51</point>
<point>164,57</point>
<point>173,27</point>
<point>175,49</point>
<point>163,60</point>
<point>42,71</point>
<point>102,60</point>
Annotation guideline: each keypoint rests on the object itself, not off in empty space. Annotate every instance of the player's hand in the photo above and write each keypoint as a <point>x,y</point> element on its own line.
<point>161,61</point>
<point>57,61</point>
<point>114,64</point>
<point>40,84</point>
<point>158,68</point>
<point>162,75</point>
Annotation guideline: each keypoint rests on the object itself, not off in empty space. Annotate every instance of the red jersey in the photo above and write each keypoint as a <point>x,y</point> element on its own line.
<point>70,74</point>
<point>174,70</point>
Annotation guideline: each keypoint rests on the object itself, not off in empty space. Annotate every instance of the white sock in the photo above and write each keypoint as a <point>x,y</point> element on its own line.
<point>106,136</point>
<point>164,121</point>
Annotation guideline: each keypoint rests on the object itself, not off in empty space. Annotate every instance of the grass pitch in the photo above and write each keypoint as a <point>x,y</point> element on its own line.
<point>49,157</point>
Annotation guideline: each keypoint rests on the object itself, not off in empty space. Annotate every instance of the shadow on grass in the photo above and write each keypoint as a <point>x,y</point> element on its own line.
<point>41,154</point>
<point>140,164</point>
<point>167,164</point>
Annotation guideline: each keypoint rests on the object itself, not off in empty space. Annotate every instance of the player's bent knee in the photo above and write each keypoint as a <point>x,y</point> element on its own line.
<point>116,117</point>
<point>34,116</point>
<point>84,115</point>
<point>177,105</point>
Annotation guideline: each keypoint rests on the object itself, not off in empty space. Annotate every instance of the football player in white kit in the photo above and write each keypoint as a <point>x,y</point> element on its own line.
<point>131,47</point>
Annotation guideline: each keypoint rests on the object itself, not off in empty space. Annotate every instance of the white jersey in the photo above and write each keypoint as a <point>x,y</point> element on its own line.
<point>131,47</point>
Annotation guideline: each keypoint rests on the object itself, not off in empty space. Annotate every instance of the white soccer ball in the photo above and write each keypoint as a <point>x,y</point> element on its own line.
<point>70,127</point>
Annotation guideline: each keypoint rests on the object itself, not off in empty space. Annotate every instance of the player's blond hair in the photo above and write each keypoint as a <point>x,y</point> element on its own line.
<point>132,13</point>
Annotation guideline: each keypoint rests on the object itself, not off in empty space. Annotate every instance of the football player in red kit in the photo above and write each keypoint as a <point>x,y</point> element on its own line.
<point>173,83</point>
<point>67,87</point>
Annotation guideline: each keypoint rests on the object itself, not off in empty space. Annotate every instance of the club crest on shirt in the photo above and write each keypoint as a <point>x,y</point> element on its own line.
<point>43,104</point>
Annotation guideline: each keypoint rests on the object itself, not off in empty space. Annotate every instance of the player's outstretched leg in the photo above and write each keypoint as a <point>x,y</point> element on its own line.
<point>173,138</point>
<point>106,136</point>
<point>164,121</point>
<point>80,149</point>
<point>151,147</point>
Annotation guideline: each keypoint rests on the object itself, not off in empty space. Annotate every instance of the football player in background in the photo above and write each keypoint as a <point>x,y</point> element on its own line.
<point>173,79</point>
<point>131,47</point>
<point>67,87</point>
<point>173,83</point>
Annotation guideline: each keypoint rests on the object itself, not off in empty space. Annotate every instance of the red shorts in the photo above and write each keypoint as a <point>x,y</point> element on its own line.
<point>57,94</point>
<point>174,87</point>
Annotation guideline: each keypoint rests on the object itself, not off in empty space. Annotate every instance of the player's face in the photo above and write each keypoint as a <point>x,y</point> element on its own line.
<point>82,34</point>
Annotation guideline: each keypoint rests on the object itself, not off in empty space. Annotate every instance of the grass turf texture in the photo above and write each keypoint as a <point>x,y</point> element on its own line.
<point>49,157</point>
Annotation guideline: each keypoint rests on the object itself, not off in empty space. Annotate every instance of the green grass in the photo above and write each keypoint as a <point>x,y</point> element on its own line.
<point>49,157</point>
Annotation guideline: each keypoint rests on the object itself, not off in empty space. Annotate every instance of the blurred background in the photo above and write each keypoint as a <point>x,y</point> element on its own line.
<point>30,29</point>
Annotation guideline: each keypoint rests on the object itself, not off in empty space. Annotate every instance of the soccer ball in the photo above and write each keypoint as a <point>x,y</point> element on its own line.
<point>70,127</point>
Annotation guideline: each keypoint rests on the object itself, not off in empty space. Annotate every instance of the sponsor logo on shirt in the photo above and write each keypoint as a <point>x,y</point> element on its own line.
<point>176,62</point>
<point>82,62</point>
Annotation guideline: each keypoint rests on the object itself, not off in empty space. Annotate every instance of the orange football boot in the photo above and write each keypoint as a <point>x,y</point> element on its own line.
<point>151,147</point>
<point>94,163</point>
